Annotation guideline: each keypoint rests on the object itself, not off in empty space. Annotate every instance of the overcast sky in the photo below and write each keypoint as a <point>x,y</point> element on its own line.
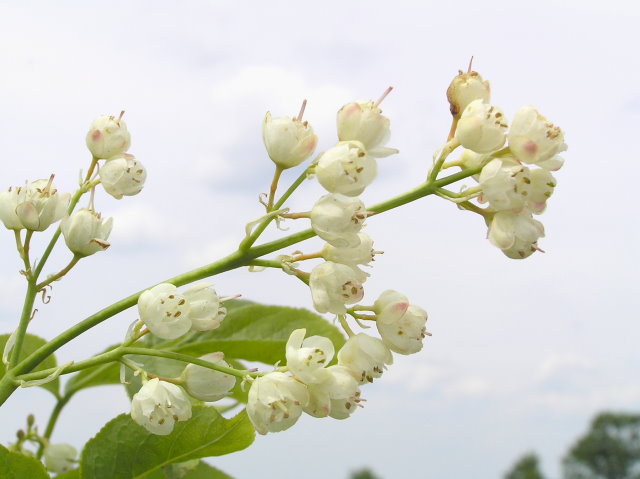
<point>523,353</point>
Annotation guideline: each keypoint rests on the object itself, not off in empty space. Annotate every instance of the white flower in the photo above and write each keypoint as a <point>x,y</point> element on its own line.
<point>59,458</point>
<point>338,396</point>
<point>365,356</point>
<point>542,185</point>
<point>275,402</point>
<point>159,405</point>
<point>534,139</point>
<point>207,384</point>
<point>333,285</point>
<point>362,254</point>
<point>169,314</point>
<point>516,234</point>
<point>205,311</point>
<point>346,168</point>
<point>363,121</point>
<point>123,176</point>
<point>482,127</point>
<point>34,206</point>
<point>85,232</point>
<point>338,219</point>
<point>465,88</point>
<point>307,358</point>
<point>108,137</point>
<point>164,311</point>
<point>288,141</point>
<point>400,324</point>
<point>505,184</point>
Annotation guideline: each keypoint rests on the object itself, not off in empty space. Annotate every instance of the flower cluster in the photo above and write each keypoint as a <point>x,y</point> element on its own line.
<point>37,205</point>
<point>317,387</point>
<point>516,180</point>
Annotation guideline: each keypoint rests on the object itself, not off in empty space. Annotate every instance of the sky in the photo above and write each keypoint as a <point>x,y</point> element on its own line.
<point>523,353</point>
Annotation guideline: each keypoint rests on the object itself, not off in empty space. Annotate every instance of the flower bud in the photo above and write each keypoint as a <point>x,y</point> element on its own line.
<point>288,141</point>
<point>365,357</point>
<point>362,254</point>
<point>164,311</point>
<point>482,127</point>
<point>205,311</point>
<point>59,458</point>
<point>465,88</point>
<point>307,358</point>
<point>123,176</point>
<point>85,232</point>
<point>158,405</point>
<point>533,139</point>
<point>207,384</point>
<point>400,324</point>
<point>108,137</point>
<point>346,168</point>
<point>337,219</point>
<point>363,121</point>
<point>334,285</point>
<point>275,402</point>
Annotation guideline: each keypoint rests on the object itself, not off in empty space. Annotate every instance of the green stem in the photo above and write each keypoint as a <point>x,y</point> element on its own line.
<point>266,263</point>
<point>60,273</point>
<point>45,256</point>
<point>274,187</point>
<point>251,239</point>
<point>232,261</point>
<point>53,418</point>
<point>451,145</point>
<point>22,252</point>
<point>25,317</point>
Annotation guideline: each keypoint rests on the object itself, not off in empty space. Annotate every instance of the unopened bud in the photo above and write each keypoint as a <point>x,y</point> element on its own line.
<point>123,176</point>
<point>108,137</point>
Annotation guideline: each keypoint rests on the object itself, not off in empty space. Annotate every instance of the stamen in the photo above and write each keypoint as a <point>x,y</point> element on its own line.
<point>304,105</point>
<point>384,95</point>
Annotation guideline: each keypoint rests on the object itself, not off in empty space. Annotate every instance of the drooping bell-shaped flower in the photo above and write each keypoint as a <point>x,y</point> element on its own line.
<point>85,232</point>
<point>516,234</point>
<point>275,402</point>
<point>363,254</point>
<point>505,184</point>
<point>338,219</point>
<point>289,141</point>
<point>334,285</point>
<point>365,356</point>
<point>533,139</point>
<point>164,311</point>
<point>158,405</point>
<point>308,358</point>
<point>208,384</point>
<point>346,168</point>
<point>108,136</point>
<point>60,458</point>
<point>123,176</point>
<point>205,310</point>
<point>401,325</point>
<point>338,396</point>
<point>482,127</point>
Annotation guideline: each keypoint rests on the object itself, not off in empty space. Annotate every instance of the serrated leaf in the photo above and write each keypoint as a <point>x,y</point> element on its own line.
<point>104,374</point>
<point>201,471</point>
<point>14,465</point>
<point>30,344</point>
<point>125,450</point>
<point>257,332</point>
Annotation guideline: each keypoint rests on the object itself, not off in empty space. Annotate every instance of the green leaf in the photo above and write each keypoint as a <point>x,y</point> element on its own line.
<point>104,374</point>
<point>72,474</point>
<point>14,465</point>
<point>202,470</point>
<point>30,344</point>
<point>256,332</point>
<point>125,450</point>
